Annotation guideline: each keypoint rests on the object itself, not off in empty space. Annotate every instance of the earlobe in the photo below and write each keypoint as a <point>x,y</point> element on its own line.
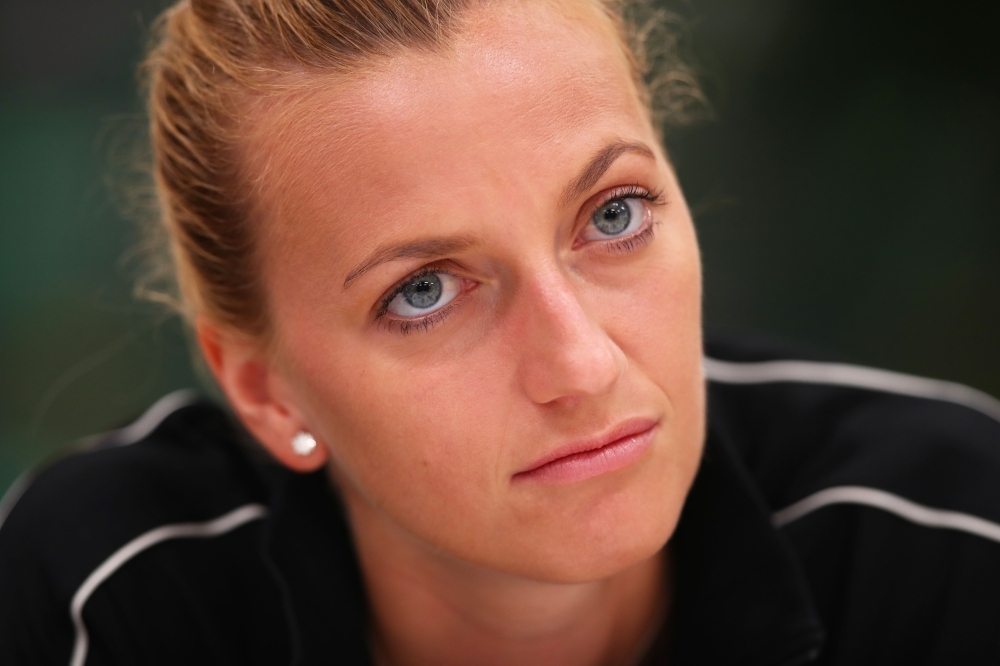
<point>260,396</point>
<point>303,444</point>
<point>301,452</point>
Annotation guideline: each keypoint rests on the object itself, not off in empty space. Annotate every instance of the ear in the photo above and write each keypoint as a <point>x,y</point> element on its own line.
<point>258,393</point>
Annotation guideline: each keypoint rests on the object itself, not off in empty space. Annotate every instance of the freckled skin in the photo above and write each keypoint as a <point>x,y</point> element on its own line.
<point>551,341</point>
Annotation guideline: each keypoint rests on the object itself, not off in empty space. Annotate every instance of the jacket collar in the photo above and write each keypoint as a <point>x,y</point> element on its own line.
<point>739,594</point>
<point>309,549</point>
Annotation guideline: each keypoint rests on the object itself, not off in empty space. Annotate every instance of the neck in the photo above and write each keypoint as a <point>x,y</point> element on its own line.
<point>430,608</point>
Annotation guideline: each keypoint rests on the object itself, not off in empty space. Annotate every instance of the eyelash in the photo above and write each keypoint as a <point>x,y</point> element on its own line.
<point>619,246</point>
<point>407,326</point>
<point>637,240</point>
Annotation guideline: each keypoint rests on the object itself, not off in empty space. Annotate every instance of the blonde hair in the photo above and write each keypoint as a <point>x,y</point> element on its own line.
<point>210,56</point>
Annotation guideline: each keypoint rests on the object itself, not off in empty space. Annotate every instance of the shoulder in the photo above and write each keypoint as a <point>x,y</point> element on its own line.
<point>806,425</point>
<point>179,462</point>
<point>178,472</point>
<point>885,485</point>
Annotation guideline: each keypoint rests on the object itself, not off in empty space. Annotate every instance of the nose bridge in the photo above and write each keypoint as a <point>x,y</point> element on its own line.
<point>556,304</point>
<point>565,351</point>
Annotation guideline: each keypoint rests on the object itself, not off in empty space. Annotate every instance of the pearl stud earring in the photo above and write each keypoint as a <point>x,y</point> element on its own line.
<point>303,443</point>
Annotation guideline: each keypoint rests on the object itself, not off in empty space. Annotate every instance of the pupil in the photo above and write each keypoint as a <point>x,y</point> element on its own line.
<point>613,218</point>
<point>423,292</point>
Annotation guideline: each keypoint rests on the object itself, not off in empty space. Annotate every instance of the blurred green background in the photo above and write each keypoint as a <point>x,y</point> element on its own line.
<point>847,193</point>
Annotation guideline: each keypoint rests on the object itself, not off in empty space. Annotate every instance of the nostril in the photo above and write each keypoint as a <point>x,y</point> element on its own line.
<point>623,364</point>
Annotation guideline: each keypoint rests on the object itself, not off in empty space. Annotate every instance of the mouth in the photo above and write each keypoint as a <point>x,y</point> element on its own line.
<point>623,445</point>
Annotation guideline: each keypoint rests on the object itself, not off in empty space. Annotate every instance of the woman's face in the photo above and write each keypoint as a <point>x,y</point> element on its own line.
<point>479,260</point>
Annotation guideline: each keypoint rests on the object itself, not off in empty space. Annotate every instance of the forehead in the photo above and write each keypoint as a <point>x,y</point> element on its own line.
<point>523,92</point>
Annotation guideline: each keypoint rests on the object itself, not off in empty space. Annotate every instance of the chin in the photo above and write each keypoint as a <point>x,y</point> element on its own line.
<point>600,540</point>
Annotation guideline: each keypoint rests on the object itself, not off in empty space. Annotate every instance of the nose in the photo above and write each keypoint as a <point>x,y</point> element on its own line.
<point>564,353</point>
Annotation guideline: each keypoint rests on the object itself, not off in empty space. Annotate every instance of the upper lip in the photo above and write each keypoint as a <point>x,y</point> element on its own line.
<point>628,428</point>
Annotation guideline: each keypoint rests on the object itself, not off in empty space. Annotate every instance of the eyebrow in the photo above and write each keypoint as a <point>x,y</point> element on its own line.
<point>600,163</point>
<point>421,249</point>
<point>435,248</point>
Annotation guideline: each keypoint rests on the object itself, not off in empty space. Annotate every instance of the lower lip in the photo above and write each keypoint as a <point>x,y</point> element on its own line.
<point>588,464</point>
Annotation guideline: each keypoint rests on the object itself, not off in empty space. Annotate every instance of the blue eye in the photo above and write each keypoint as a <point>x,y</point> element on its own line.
<point>424,294</point>
<point>617,217</point>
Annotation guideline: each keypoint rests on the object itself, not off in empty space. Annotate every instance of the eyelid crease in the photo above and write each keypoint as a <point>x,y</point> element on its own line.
<point>599,165</point>
<point>428,321</point>
<point>633,191</point>
<point>432,248</point>
<point>611,245</point>
<point>397,288</point>
<point>629,243</point>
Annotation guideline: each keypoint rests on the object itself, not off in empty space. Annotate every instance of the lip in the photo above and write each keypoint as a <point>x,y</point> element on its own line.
<point>620,447</point>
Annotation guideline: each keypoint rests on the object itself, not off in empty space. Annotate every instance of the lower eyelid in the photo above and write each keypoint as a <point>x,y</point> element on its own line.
<point>383,318</point>
<point>643,200</point>
<point>395,292</point>
<point>626,244</point>
<point>387,319</point>
<point>404,325</point>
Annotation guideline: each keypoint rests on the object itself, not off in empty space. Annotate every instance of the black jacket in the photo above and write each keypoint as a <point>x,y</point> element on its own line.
<point>841,515</point>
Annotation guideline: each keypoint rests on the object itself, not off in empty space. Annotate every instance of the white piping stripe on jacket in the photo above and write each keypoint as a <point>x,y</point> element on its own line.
<point>14,493</point>
<point>153,417</point>
<point>211,528</point>
<point>130,434</point>
<point>879,499</point>
<point>842,374</point>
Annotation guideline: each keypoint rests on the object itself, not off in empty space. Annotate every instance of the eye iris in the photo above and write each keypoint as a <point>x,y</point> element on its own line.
<point>423,292</point>
<point>612,218</point>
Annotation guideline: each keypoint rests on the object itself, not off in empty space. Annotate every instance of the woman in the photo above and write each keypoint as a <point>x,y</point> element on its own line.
<point>436,258</point>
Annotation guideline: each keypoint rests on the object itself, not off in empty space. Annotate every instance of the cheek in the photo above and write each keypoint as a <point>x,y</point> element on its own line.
<point>428,437</point>
<point>416,438</point>
<point>656,318</point>
<point>658,327</point>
